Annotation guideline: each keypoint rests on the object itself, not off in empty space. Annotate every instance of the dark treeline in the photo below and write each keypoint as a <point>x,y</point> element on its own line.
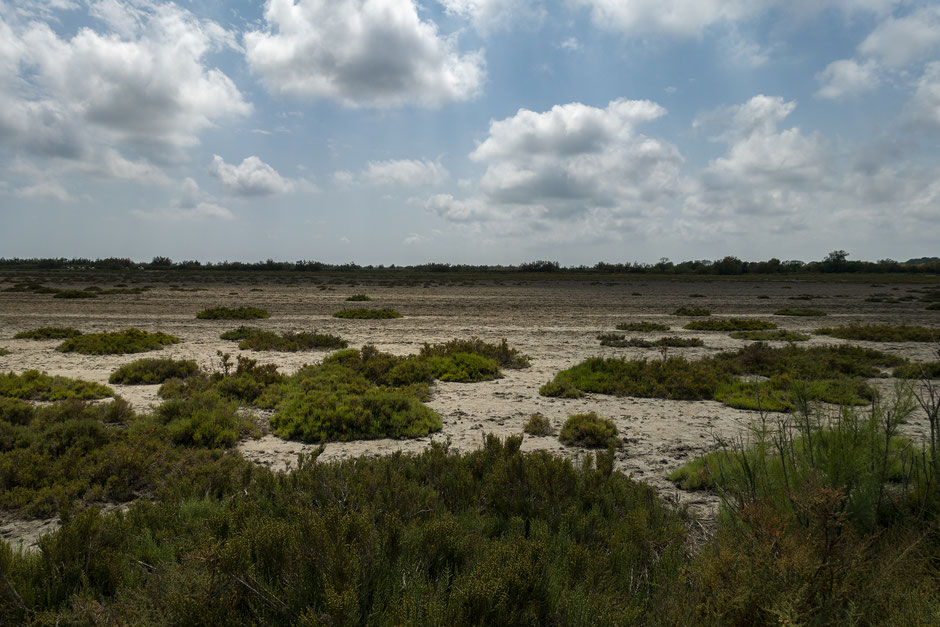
<point>834,262</point>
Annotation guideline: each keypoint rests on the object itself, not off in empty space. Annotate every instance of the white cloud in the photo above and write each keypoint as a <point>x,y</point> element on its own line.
<point>923,110</point>
<point>491,15</point>
<point>405,173</point>
<point>684,18</point>
<point>253,177</point>
<point>897,42</point>
<point>192,205</point>
<point>141,86</point>
<point>360,53</point>
<point>415,238</point>
<point>571,44</point>
<point>343,178</point>
<point>574,171</point>
<point>846,78</point>
<point>47,190</point>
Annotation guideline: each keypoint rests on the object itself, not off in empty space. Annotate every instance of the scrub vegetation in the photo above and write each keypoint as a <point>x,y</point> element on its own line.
<point>619,341</point>
<point>797,311</point>
<point>152,371</point>
<point>642,327</point>
<point>882,333</point>
<point>589,431</point>
<point>779,335</point>
<point>34,385</point>
<point>258,340</point>
<point>367,314</point>
<point>233,313</point>
<point>47,333</point>
<point>117,342</point>
<point>692,311</point>
<point>730,324</point>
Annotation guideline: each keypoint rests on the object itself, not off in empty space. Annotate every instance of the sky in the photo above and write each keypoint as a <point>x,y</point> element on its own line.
<point>470,131</point>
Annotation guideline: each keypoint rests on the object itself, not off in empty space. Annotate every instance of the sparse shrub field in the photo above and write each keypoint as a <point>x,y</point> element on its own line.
<point>882,333</point>
<point>233,313</point>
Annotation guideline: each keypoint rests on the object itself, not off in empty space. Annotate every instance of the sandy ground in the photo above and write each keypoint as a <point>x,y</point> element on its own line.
<point>555,323</point>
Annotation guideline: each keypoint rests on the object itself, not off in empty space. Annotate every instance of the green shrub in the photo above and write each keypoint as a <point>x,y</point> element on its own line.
<point>642,326</point>
<point>675,378</point>
<point>118,342</point>
<point>779,335</point>
<point>502,353</point>
<point>239,333</point>
<point>48,333</point>
<point>74,294</point>
<point>290,342</point>
<point>882,333</point>
<point>589,430</point>
<point>464,368</point>
<point>730,324</point>
<point>33,385</point>
<point>229,313</point>
<point>797,311</point>
<point>204,419</point>
<point>15,411</point>
<point>930,370</point>
<point>367,314</point>
<point>149,371</point>
<point>538,425</point>
<point>620,341</point>
<point>358,298</point>
<point>692,311</point>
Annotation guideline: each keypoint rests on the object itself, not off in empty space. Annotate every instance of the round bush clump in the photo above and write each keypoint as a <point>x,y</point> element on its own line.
<point>538,425</point>
<point>588,430</point>
<point>116,343</point>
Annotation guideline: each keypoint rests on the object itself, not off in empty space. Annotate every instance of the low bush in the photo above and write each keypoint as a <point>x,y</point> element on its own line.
<point>464,368</point>
<point>358,298</point>
<point>15,411</point>
<point>367,314</point>
<point>290,342</point>
<point>674,378</point>
<point>33,385</point>
<point>239,333</point>
<point>730,324</point>
<point>798,311</point>
<point>589,430</point>
<point>620,341</point>
<point>116,343</point>
<point>504,355</point>
<point>779,335</point>
<point>236,313</point>
<point>692,311</point>
<point>642,326</point>
<point>882,333</point>
<point>204,419</point>
<point>537,424</point>
<point>48,333</point>
<point>74,294</point>
<point>929,370</point>
<point>150,371</point>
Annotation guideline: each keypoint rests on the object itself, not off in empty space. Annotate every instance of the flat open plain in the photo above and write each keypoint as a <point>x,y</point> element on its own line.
<point>555,322</point>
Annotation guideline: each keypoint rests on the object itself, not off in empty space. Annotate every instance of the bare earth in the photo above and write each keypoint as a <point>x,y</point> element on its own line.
<point>553,322</point>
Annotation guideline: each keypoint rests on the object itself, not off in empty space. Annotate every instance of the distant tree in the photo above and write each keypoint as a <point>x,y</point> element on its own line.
<point>161,262</point>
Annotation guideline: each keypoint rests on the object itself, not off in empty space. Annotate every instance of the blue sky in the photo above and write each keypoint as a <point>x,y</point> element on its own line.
<point>470,131</point>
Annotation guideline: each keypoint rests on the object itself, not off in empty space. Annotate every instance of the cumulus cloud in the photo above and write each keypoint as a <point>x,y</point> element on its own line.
<point>361,53</point>
<point>846,77</point>
<point>685,18</point>
<point>573,171</point>
<point>405,173</point>
<point>191,205</point>
<point>253,177</point>
<point>140,85</point>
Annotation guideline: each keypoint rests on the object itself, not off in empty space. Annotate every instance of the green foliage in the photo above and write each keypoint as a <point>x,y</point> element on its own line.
<point>782,393</point>
<point>882,333</point>
<point>289,342</point>
<point>4,352</point>
<point>337,401</point>
<point>367,314</point>
<point>74,294</point>
<point>48,333</point>
<point>232,313</point>
<point>239,333</point>
<point>150,371</point>
<point>589,430</point>
<point>33,385</point>
<point>204,419</point>
<point>929,370</point>
<point>15,411</point>
<point>464,367</point>
<point>620,341</point>
<point>642,326</point>
<point>118,342</point>
<point>674,378</point>
<point>798,311</point>
<point>502,353</point>
<point>538,425</point>
<point>358,298</point>
<point>495,536</point>
<point>730,324</point>
<point>780,335</point>
<point>692,311</point>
